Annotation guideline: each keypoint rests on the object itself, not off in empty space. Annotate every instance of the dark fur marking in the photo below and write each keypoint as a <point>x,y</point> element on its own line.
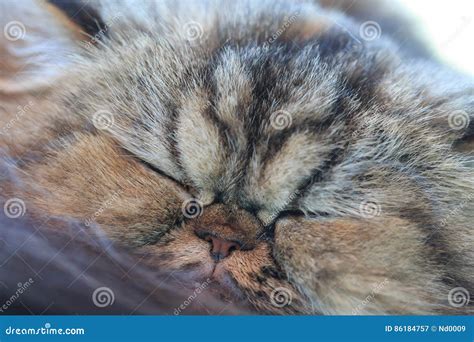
<point>335,41</point>
<point>258,278</point>
<point>166,256</point>
<point>190,266</point>
<point>278,140</point>
<point>83,15</point>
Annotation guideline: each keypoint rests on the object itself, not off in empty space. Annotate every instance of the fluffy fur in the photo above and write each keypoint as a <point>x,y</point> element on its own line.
<point>329,158</point>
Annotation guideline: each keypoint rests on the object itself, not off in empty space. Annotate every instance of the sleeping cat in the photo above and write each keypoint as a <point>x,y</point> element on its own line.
<point>301,158</point>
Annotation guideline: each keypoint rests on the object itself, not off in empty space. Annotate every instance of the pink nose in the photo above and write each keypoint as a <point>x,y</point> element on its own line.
<point>221,248</point>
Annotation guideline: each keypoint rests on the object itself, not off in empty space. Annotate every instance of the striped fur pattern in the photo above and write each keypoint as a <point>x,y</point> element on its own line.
<point>332,159</point>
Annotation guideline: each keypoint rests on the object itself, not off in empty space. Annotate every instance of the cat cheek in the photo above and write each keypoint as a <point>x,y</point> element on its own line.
<point>181,252</point>
<point>260,279</point>
<point>338,262</point>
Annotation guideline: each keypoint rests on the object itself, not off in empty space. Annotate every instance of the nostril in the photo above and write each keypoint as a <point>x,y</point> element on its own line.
<point>222,248</point>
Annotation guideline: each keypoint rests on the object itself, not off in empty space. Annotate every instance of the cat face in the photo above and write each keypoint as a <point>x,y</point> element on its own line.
<point>296,178</point>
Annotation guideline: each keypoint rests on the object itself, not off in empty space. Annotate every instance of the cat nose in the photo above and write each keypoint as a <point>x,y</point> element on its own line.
<point>221,248</point>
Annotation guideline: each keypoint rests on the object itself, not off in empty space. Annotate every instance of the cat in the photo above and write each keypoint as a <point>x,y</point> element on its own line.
<point>294,157</point>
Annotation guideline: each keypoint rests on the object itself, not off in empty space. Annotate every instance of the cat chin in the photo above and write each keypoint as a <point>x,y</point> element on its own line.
<point>221,279</point>
<point>213,278</point>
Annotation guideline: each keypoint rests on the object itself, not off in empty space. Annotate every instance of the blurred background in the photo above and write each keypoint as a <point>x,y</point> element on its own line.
<point>449,27</point>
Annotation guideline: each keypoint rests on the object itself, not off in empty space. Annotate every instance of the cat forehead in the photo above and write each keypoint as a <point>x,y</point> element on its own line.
<point>252,125</point>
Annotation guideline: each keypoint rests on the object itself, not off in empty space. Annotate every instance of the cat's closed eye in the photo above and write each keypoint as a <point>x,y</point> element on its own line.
<point>186,186</point>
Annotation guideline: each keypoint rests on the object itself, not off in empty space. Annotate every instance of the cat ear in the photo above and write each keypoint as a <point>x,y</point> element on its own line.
<point>38,39</point>
<point>87,19</point>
